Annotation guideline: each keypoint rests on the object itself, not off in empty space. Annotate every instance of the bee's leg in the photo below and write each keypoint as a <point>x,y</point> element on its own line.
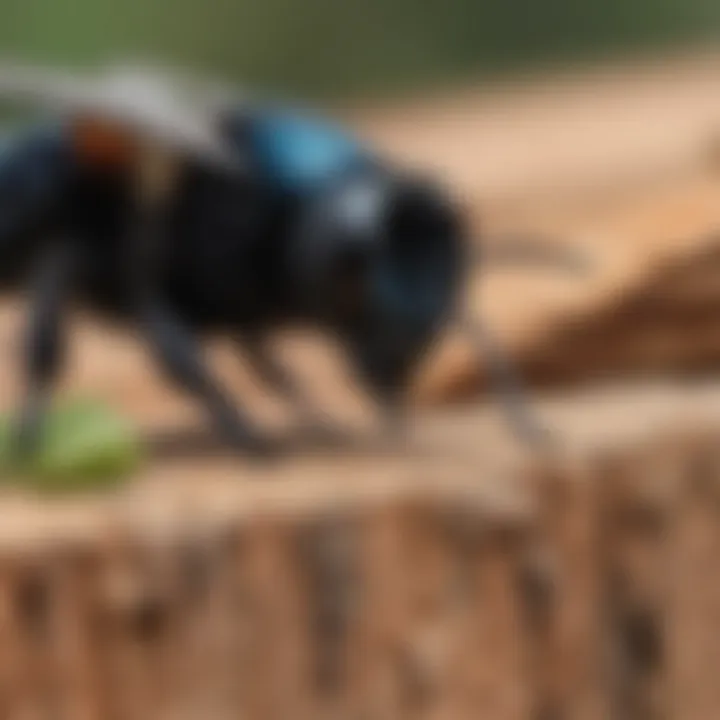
<point>172,344</point>
<point>44,344</point>
<point>393,412</point>
<point>271,372</point>
<point>395,416</point>
<point>178,354</point>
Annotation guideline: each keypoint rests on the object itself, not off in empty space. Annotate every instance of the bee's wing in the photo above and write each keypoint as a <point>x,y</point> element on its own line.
<point>147,103</point>
<point>38,87</point>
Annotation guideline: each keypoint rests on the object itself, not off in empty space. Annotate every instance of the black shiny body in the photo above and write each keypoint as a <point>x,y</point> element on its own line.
<point>238,256</point>
<point>222,270</point>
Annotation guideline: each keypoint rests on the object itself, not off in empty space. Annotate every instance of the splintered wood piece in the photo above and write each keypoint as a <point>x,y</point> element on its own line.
<point>141,619</point>
<point>21,692</point>
<point>493,676</point>
<point>76,637</point>
<point>640,492</point>
<point>569,570</point>
<point>375,686</point>
<point>438,605</point>
<point>693,623</point>
<point>330,548</point>
<point>210,629</point>
<point>410,634</point>
<point>279,675</point>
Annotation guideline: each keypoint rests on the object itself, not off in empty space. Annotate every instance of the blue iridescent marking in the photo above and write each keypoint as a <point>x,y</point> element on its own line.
<point>299,152</point>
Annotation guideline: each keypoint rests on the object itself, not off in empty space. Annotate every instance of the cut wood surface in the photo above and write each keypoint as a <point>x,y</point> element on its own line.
<point>468,455</point>
<point>461,576</point>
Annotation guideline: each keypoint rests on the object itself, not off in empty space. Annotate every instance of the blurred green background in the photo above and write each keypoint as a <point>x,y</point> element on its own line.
<point>333,48</point>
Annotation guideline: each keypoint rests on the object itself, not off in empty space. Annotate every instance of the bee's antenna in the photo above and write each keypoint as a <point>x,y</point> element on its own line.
<point>527,251</point>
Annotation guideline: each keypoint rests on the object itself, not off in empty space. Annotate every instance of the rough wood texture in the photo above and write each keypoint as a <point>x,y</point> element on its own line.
<point>579,584</point>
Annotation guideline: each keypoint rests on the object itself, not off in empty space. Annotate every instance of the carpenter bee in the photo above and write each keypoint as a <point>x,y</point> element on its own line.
<point>184,213</point>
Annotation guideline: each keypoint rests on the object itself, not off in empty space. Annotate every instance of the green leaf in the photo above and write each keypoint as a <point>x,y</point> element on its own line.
<point>85,445</point>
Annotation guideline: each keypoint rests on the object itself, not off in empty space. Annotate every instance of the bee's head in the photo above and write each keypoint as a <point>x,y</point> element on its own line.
<point>382,258</point>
